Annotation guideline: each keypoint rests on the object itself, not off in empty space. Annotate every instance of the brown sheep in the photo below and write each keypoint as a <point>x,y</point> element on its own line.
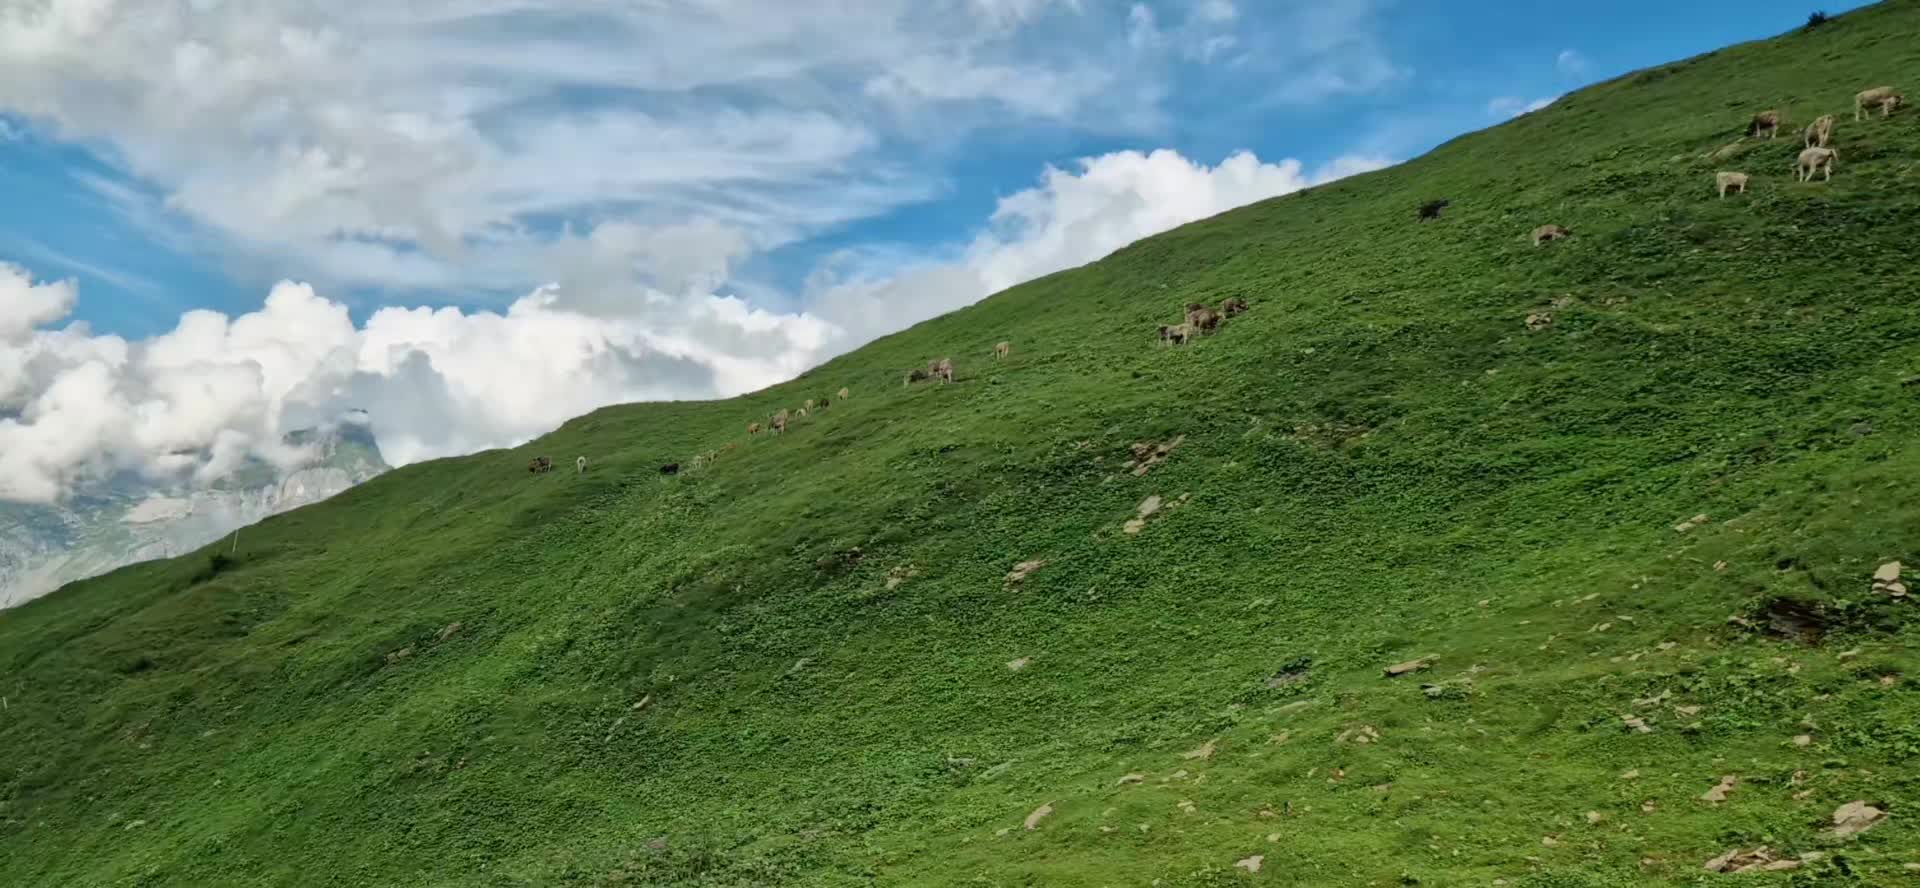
<point>778,422</point>
<point>540,464</point>
<point>1816,160</point>
<point>753,428</point>
<point>1234,306</point>
<point>1730,182</point>
<point>944,369</point>
<point>1767,122</point>
<point>1549,233</point>
<point>1886,98</point>
<point>1002,350</point>
<point>843,394</point>
<point>917,375</point>
<point>1820,132</point>
<point>1202,319</point>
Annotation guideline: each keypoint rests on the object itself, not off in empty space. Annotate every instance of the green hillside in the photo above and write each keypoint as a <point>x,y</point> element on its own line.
<point>796,666</point>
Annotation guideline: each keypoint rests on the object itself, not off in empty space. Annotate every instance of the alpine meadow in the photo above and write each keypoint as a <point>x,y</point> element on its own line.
<point>1453,560</point>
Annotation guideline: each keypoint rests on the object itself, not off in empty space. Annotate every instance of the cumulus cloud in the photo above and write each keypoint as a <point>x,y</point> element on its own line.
<point>1069,219</point>
<point>1514,106</point>
<point>193,403</point>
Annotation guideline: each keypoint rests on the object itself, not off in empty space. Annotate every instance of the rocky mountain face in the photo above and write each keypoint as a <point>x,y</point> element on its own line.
<point>128,519</point>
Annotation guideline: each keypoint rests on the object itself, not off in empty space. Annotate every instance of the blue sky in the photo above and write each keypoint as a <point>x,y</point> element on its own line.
<point>81,202</point>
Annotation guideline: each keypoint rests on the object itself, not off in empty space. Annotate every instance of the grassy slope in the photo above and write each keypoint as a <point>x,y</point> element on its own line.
<point>1383,463</point>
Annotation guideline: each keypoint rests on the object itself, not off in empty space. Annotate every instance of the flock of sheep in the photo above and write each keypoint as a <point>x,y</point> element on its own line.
<point>1818,155</point>
<point>1816,158</point>
<point>1201,320</point>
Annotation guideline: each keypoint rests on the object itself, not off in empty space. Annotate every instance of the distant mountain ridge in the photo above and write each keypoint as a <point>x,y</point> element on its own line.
<point>127,519</point>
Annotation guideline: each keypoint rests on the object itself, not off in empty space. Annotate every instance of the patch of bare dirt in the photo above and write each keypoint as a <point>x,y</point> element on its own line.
<point>1039,814</point>
<point>900,574</point>
<point>1854,818</point>
<point>1147,454</point>
<point>1411,666</point>
<point>1024,569</point>
<point>1204,752</point>
<point>1758,860</point>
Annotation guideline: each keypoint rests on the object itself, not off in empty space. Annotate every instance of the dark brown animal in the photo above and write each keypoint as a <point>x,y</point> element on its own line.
<point>670,469</point>
<point>1550,233</point>
<point>1234,306</point>
<point>917,375</point>
<point>1431,209</point>
<point>1203,319</point>
<point>540,464</point>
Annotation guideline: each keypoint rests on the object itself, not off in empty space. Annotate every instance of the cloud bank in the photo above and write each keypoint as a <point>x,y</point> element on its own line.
<point>193,403</point>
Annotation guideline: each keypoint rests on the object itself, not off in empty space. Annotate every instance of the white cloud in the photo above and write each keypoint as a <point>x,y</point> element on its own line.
<point>1069,219</point>
<point>1572,63</point>
<point>193,402</point>
<point>25,305</point>
<point>378,144</point>
<point>1514,106</point>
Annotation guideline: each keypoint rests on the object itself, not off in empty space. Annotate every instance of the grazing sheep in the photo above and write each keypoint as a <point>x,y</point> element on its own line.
<point>1203,319</point>
<point>753,428</point>
<point>1730,182</point>
<point>1175,334</point>
<point>1235,305</point>
<point>1765,122</point>
<point>540,464</point>
<point>1431,209</point>
<point>808,405</point>
<point>801,413</point>
<point>1550,233</point>
<point>1886,98</point>
<point>917,375</point>
<point>1820,132</point>
<point>944,370</point>
<point>580,466</point>
<point>670,469</point>
<point>728,447</point>
<point>1816,160</point>
<point>699,459</point>
<point>778,422</point>
<point>1001,350</point>
<point>825,403</point>
<point>844,394</point>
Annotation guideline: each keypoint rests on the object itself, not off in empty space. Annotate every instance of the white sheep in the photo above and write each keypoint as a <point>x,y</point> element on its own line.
<point>1886,98</point>
<point>580,465</point>
<point>1730,182</point>
<point>1820,132</point>
<point>1816,160</point>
